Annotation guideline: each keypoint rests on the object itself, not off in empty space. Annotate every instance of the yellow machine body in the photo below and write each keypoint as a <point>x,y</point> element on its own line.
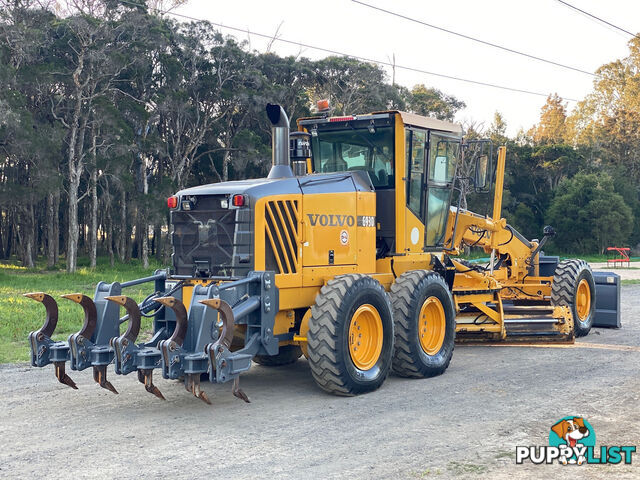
<point>318,236</point>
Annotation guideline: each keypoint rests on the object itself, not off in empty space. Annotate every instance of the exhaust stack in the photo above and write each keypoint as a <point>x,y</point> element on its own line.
<point>280,167</point>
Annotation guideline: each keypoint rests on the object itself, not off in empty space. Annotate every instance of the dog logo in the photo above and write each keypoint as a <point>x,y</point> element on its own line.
<point>572,441</point>
<point>572,432</point>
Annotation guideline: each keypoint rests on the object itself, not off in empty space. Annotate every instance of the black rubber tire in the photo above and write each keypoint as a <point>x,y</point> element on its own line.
<point>287,355</point>
<point>327,338</point>
<point>408,294</point>
<point>567,276</point>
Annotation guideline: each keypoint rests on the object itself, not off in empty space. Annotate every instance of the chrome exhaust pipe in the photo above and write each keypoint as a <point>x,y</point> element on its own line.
<point>280,167</point>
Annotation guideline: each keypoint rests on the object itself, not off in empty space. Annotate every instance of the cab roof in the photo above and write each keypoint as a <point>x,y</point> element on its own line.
<point>410,119</point>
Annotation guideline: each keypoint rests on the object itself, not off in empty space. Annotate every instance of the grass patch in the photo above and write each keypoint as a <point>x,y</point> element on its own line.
<point>427,473</point>
<point>20,315</point>
<point>631,282</point>
<point>505,454</point>
<point>461,468</point>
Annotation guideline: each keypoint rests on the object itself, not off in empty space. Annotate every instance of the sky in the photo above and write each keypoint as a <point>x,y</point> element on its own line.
<point>543,28</point>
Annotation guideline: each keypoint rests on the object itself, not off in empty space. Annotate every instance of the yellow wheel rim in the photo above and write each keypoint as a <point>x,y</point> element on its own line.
<point>365,337</point>
<point>583,300</point>
<point>432,326</point>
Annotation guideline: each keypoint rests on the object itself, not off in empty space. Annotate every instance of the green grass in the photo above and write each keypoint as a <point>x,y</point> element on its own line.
<point>20,315</point>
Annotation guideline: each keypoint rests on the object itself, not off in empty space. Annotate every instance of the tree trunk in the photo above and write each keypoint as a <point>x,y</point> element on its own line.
<point>26,236</point>
<point>225,166</point>
<point>93,222</point>
<point>157,235</point>
<point>142,215</point>
<point>73,232</point>
<point>56,226</point>
<point>144,239</point>
<point>52,233</point>
<point>122,250</point>
<point>74,185</point>
<point>10,233</point>
<point>108,223</point>
<point>2,215</point>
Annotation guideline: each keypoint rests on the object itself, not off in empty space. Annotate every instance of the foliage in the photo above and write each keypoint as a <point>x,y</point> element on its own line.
<point>108,108</point>
<point>432,102</point>
<point>589,214</point>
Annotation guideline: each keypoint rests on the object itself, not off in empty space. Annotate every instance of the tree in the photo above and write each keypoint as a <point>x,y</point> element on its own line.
<point>431,102</point>
<point>588,215</point>
<point>607,120</point>
<point>552,128</point>
<point>352,86</point>
<point>108,107</point>
<point>28,140</point>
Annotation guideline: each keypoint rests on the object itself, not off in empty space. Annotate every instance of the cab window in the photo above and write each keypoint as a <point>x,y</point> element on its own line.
<point>443,155</point>
<point>416,148</point>
<point>443,159</point>
<point>356,149</point>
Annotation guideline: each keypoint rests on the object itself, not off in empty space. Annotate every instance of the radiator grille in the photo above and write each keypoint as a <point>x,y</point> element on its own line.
<point>211,240</point>
<point>282,236</point>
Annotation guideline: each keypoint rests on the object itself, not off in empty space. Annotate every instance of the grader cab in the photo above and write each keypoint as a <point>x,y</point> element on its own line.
<point>348,253</point>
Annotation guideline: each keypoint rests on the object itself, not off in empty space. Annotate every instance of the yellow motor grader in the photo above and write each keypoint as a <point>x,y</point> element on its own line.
<point>348,253</point>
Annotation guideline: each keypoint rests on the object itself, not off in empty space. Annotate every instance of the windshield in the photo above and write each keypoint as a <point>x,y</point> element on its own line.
<point>356,149</point>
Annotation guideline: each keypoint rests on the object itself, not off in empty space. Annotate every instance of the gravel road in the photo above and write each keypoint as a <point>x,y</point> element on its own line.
<point>463,424</point>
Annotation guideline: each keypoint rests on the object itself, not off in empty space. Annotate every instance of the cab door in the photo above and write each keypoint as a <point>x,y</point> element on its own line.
<point>416,141</point>
<point>442,158</point>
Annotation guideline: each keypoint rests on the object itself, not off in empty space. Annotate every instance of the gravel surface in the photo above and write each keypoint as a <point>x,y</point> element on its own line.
<point>627,272</point>
<point>463,424</point>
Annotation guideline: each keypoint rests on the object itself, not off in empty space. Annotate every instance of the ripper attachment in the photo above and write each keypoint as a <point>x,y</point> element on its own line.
<point>176,359</point>
<point>223,344</point>
<point>84,352</point>
<point>43,349</point>
<point>130,357</point>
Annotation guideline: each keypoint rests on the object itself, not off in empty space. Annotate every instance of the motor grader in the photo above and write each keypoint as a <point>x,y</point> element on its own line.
<point>348,252</point>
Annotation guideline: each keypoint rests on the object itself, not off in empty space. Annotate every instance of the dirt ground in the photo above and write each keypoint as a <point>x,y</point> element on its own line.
<point>627,272</point>
<point>463,424</point>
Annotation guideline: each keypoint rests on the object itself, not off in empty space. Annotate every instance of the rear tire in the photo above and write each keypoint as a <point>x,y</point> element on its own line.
<point>351,312</point>
<point>286,355</point>
<point>573,286</point>
<point>425,324</point>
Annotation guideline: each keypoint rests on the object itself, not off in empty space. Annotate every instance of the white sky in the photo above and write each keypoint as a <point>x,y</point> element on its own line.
<point>544,28</point>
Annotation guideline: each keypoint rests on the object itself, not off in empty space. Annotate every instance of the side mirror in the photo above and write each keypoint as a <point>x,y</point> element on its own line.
<point>482,173</point>
<point>479,164</point>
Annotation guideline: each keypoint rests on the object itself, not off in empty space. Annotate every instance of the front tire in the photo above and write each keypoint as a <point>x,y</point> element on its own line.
<point>425,324</point>
<point>574,287</point>
<point>350,337</point>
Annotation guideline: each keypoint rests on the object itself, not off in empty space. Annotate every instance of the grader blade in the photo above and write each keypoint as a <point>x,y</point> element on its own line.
<point>43,349</point>
<point>538,324</point>
<point>516,325</point>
